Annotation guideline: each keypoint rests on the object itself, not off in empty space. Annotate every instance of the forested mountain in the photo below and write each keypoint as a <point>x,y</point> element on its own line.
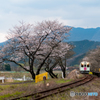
<point>84,46</point>
<point>78,34</point>
<point>81,48</point>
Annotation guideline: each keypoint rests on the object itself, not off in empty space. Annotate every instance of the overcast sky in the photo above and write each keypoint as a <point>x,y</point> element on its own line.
<point>76,13</point>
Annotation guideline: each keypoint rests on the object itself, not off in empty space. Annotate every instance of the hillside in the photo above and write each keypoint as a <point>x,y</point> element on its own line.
<point>75,60</point>
<point>78,34</point>
<point>84,46</point>
<point>81,48</point>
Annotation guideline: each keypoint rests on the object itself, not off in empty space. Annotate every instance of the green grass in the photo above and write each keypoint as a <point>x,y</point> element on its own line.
<point>11,91</point>
<point>15,74</point>
<point>89,87</point>
<point>10,95</point>
<point>4,87</point>
<point>59,81</point>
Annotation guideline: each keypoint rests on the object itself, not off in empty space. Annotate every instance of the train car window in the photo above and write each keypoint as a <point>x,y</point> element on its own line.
<point>81,65</point>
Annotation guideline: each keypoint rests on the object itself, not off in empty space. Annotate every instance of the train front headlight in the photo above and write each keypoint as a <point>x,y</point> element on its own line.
<point>82,63</point>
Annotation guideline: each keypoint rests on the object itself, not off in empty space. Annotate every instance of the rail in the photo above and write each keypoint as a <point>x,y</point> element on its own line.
<point>42,94</point>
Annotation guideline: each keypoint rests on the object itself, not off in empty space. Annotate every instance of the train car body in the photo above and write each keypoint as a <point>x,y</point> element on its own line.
<point>84,67</point>
<point>96,71</point>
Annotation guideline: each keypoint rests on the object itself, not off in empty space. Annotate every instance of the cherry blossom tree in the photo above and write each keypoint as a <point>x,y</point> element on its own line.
<point>31,43</point>
<point>93,56</point>
<point>58,58</point>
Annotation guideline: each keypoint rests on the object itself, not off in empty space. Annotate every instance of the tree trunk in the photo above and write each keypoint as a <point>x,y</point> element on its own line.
<point>55,76</point>
<point>64,72</point>
<point>51,73</point>
<point>62,68</point>
<point>31,69</point>
<point>33,74</point>
<point>39,68</point>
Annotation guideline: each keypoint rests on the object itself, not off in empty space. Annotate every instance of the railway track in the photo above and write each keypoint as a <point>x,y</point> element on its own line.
<point>42,94</point>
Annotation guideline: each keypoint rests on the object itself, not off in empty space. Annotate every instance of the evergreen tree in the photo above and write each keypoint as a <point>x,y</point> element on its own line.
<point>7,67</point>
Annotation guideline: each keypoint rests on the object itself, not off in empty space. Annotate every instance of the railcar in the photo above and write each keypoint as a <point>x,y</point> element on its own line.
<point>96,71</point>
<point>84,67</point>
